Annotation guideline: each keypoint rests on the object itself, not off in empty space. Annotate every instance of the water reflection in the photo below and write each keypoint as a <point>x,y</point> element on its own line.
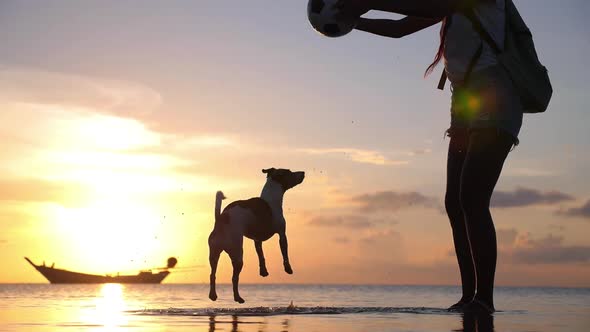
<point>108,310</point>
<point>213,324</point>
<point>477,323</point>
<point>285,325</point>
<point>218,323</point>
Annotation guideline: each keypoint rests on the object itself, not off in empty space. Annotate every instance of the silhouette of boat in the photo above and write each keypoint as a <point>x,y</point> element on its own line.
<point>60,276</point>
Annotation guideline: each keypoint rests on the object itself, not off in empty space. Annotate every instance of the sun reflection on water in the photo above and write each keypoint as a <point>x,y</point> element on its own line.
<point>110,308</point>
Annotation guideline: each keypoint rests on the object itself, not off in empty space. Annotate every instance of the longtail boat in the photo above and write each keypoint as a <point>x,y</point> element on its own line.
<point>60,276</point>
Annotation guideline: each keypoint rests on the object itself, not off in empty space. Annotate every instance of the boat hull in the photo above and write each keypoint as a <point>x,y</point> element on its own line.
<point>59,276</point>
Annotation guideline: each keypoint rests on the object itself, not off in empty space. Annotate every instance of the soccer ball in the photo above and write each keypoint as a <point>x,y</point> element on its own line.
<point>321,15</point>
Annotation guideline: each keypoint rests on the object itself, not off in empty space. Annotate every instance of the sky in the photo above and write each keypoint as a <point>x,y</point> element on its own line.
<point>119,120</point>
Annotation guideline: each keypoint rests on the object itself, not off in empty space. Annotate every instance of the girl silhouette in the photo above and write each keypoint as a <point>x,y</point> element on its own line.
<point>486,117</point>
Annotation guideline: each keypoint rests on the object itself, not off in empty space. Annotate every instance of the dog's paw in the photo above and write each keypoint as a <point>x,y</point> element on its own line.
<point>213,296</point>
<point>263,272</point>
<point>239,299</point>
<point>288,268</point>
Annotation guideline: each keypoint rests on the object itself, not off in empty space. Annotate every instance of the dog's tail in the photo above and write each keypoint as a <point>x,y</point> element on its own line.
<point>218,198</point>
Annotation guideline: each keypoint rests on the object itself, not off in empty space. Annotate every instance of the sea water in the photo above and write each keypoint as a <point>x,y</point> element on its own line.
<point>171,307</point>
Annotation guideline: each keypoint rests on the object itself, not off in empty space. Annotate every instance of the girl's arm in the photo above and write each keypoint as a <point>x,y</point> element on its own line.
<point>396,28</point>
<point>419,8</point>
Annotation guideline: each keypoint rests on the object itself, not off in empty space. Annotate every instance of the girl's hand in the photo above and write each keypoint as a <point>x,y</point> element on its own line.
<point>352,8</point>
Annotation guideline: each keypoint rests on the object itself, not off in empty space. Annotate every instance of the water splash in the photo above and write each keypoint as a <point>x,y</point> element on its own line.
<point>290,310</point>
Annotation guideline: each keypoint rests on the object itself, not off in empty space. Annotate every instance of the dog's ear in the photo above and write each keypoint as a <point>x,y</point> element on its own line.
<point>268,170</point>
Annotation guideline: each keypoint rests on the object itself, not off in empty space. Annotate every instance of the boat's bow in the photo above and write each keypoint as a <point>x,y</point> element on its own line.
<point>28,260</point>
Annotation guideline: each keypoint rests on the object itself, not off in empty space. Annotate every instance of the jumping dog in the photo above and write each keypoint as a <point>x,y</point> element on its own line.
<point>258,219</point>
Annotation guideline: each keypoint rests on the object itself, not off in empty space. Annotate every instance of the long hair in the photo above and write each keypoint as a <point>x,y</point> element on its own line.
<point>441,47</point>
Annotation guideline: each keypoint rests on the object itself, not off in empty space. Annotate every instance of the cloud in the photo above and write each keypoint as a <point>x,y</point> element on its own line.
<point>31,86</point>
<point>549,250</point>
<point>341,239</point>
<point>357,155</point>
<point>382,247</point>
<point>527,197</point>
<point>582,211</point>
<point>418,152</point>
<point>528,172</point>
<point>350,221</point>
<point>33,190</point>
<point>391,201</point>
<point>556,227</point>
<point>523,249</point>
<point>506,237</point>
<point>209,141</point>
<point>378,237</point>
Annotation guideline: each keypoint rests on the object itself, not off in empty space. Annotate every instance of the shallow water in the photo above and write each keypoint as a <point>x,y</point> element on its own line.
<point>112,307</point>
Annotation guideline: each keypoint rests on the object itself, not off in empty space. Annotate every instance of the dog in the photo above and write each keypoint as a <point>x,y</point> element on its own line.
<point>258,219</point>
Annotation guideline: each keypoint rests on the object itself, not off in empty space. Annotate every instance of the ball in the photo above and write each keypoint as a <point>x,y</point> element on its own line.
<point>323,18</point>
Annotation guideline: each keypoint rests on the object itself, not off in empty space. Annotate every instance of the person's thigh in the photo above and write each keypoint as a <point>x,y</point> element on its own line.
<point>456,156</point>
<point>486,153</point>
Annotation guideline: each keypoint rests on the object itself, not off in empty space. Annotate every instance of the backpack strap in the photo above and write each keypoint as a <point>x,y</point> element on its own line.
<point>470,67</point>
<point>443,80</point>
<point>485,36</point>
<point>443,76</point>
<point>483,33</point>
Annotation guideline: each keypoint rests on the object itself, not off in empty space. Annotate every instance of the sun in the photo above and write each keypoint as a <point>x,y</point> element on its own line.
<point>112,186</point>
<point>112,234</point>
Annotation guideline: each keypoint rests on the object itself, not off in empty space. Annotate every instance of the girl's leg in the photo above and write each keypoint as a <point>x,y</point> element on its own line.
<point>487,151</point>
<point>456,156</point>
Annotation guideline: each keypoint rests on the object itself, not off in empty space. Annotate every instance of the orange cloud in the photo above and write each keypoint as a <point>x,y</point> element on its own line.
<point>357,155</point>
<point>35,190</point>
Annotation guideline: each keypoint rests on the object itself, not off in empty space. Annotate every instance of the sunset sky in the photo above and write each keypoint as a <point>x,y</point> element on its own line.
<point>119,120</point>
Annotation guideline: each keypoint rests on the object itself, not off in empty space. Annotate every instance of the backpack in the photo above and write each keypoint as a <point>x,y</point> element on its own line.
<point>519,58</point>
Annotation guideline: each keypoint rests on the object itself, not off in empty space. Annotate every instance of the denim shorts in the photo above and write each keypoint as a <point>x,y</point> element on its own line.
<point>488,100</point>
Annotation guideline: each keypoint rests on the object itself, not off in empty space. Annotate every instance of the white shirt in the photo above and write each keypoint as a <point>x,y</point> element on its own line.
<point>462,41</point>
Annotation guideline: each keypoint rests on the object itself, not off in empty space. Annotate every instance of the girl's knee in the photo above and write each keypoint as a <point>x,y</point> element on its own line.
<point>453,208</point>
<point>452,202</point>
<point>474,204</point>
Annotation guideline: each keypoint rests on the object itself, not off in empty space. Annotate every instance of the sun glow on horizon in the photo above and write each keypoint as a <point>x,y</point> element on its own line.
<point>110,234</point>
<point>115,228</point>
<point>104,187</point>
